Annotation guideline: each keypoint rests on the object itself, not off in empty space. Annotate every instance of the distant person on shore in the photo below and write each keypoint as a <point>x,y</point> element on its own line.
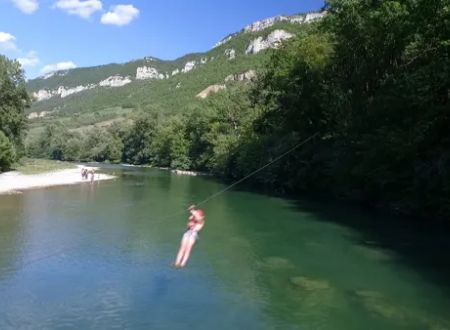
<point>92,172</point>
<point>84,173</point>
<point>195,224</point>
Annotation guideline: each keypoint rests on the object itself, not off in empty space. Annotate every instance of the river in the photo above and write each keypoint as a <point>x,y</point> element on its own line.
<point>99,257</point>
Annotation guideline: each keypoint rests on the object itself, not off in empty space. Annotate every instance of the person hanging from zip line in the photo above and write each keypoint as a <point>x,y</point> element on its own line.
<point>197,217</point>
<point>196,222</point>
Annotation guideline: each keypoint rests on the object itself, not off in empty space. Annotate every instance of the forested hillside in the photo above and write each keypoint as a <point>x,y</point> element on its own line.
<point>82,97</point>
<point>370,82</point>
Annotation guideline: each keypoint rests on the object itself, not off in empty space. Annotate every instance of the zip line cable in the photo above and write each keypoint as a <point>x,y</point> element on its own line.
<point>298,145</point>
<point>258,170</point>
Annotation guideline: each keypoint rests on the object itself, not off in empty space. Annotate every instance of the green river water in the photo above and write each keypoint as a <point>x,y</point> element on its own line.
<point>98,257</point>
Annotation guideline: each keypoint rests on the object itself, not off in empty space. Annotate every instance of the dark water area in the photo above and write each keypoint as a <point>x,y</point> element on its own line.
<point>98,257</point>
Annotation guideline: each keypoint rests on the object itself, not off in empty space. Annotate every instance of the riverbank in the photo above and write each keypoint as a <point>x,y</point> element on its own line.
<point>39,166</point>
<point>191,173</point>
<point>15,181</point>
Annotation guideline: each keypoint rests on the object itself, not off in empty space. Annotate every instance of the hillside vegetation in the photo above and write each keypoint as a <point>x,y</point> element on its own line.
<point>168,95</point>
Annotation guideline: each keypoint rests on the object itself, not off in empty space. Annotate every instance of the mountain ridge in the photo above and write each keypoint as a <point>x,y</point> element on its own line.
<point>153,84</point>
<point>57,79</point>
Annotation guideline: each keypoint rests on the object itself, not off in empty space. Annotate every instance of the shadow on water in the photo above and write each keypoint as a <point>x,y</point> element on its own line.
<point>421,245</point>
<point>160,286</point>
<point>11,232</point>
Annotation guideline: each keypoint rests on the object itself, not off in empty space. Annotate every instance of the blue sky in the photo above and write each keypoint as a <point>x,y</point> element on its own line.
<point>55,34</point>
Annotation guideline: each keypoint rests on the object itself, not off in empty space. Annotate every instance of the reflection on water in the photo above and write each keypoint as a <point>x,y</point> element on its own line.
<point>11,232</point>
<point>99,257</point>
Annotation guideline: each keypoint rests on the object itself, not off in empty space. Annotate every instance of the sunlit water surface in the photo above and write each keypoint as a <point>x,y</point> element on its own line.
<point>98,257</point>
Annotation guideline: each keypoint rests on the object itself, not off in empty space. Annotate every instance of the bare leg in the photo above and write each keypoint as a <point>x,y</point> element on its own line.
<point>187,253</point>
<point>181,253</point>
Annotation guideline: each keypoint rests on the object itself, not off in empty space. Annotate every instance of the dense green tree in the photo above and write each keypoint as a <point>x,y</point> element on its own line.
<point>7,153</point>
<point>50,143</point>
<point>373,80</point>
<point>13,100</point>
<point>138,147</point>
<point>171,144</point>
<point>72,148</point>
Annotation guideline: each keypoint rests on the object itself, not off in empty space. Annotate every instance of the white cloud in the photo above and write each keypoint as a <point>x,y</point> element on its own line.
<point>120,15</point>
<point>81,8</point>
<point>26,6</point>
<point>30,60</point>
<point>7,41</point>
<point>58,66</point>
<point>5,37</point>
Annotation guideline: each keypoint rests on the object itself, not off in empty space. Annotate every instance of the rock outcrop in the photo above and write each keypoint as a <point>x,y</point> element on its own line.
<point>225,40</point>
<point>230,53</point>
<point>35,115</point>
<point>148,72</point>
<point>210,90</point>
<point>244,76</point>
<point>54,73</point>
<point>189,66</point>
<point>43,94</point>
<point>62,91</point>
<point>311,17</point>
<point>268,22</point>
<point>273,40</point>
<point>115,81</point>
<point>264,24</point>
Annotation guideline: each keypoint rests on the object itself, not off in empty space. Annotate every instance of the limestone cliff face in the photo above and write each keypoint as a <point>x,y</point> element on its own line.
<point>62,91</point>
<point>244,76</point>
<point>42,94</point>
<point>42,114</point>
<point>273,40</point>
<point>264,24</point>
<point>115,81</point>
<point>230,53</point>
<point>189,66</point>
<point>54,73</point>
<point>314,16</point>
<point>225,40</point>
<point>45,94</point>
<point>148,72</point>
<point>268,22</point>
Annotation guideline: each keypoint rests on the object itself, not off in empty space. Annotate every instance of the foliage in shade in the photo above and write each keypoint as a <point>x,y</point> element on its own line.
<point>7,152</point>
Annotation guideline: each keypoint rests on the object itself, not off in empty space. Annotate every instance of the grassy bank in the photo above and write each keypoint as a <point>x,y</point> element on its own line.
<point>36,166</point>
